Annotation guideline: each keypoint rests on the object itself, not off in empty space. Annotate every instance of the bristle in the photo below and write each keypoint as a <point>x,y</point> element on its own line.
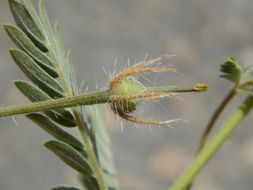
<point>133,72</point>
<point>140,121</point>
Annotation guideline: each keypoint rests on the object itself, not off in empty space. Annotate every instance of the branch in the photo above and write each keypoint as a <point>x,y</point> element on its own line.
<point>218,140</point>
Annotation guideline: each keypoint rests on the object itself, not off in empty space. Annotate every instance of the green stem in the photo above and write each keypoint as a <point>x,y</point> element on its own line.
<point>190,88</point>
<point>212,122</point>
<point>87,99</point>
<point>208,152</point>
<point>215,117</point>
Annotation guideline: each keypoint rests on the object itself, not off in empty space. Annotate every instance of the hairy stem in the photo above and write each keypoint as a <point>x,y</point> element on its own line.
<point>87,99</point>
<point>190,88</point>
<point>209,151</point>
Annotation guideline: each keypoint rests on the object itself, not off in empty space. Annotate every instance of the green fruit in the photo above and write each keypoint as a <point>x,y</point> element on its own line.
<point>126,87</point>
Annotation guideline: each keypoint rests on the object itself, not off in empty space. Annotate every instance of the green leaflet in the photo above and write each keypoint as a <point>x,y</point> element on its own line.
<point>60,118</point>
<point>231,69</point>
<point>37,75</point>
<point>55,130</point>
<point>61,115</point>
<point>63,187</point>
<point>58,41</point>
<point>70,156</point>
<point>243,76</point>
<point>23,42</point>
<point>33,14</point>
<point>248,74</point>
<point>45,21</point>
<point>89,182</point>
<point>24,20</point>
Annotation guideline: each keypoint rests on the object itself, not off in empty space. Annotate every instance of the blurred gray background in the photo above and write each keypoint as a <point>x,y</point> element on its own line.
<point>201,34</point>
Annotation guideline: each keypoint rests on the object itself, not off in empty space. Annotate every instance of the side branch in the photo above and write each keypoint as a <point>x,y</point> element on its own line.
<point>218,140</point>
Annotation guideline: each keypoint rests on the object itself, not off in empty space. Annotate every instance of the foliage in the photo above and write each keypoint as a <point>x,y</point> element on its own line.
<point>42,59</point>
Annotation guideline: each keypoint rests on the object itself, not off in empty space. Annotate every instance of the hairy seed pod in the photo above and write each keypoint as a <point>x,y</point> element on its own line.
<point>123,88</point>
<point>127,92</point>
